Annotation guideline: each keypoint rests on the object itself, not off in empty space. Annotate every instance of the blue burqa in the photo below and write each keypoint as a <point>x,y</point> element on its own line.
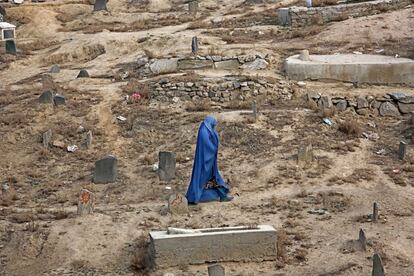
<point>205,166</point>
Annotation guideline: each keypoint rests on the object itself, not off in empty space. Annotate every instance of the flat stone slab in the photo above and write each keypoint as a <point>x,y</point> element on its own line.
<point>375,69</point>
<point>213,245</point>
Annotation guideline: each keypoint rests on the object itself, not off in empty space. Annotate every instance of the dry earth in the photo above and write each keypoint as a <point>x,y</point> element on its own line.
<point>40,233</point>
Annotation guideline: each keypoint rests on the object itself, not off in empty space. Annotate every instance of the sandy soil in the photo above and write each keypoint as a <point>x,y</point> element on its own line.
<point>40,233</point>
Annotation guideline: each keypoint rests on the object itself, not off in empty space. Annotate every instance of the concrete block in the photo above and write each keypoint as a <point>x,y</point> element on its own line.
<point>213,245</point>
<point>372,69</point>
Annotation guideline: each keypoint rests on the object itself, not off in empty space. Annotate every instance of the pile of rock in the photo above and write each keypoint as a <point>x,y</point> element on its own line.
<point>391,104</point>
<point>176,64</point>
<point>217,90</point>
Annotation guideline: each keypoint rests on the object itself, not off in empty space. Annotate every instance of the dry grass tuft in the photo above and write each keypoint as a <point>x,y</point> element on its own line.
<point>351,128</point>
<point>199,24</point>
<point>194,106</point>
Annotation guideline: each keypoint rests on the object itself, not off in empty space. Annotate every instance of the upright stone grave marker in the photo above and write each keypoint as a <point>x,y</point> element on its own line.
<point>83,74</point>
<point>305,156</point>
<point>362,240</point>
<point>402,150</point>
<point>106,170</point>
<point>194,45</point>
<point>59,99</point>
<point>46,97</point>
<point>89,139</point>
<point>166,170</point>
<point>46,138</point>
<point>375,212</point>
<point>377,266</point>
<point>304,55</point>
<point>85,202</point>
<point>254,109</point>
<point>216,270</point>
<point>100,5</point>
<point>177,204</point>
<point>54,69</point>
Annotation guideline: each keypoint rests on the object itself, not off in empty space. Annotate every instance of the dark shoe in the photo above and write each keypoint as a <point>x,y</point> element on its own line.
<point>227,198</point>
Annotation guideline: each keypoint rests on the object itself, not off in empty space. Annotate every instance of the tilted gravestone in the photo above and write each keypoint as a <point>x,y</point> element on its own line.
<point>166,166</point>
<point>106,170</point>
<point>59,99</point>
<point>402,150</point>
<point>177,204</point>
<point>54,69</point>
<point>100,5</point>
<point>362,240</point>
<point>11,47</point>
<point>46,97</point>
<point>85,202</point>
<point>377,266</point>
<point>194,45</point>
<point>83,74</point>
<point>216,270</point>
<point>46,138</point>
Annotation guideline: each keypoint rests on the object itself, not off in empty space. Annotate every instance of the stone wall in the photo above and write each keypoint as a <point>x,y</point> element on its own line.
<point>302,16</point>
<point>392,104</point>
<point>167,65</point>
<point>217,90</point>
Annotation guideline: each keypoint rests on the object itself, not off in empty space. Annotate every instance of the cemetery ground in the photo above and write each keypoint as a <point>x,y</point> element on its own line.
<point>318,208</point>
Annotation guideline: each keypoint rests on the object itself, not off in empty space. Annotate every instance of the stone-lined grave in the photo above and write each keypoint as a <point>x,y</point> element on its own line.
<point>391,104</point>
<point>303,16</point>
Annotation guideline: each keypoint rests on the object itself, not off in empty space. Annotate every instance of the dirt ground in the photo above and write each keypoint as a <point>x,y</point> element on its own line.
<point>40,232</point>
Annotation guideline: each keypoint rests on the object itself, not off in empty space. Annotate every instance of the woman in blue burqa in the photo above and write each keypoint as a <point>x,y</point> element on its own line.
<point>206,182</point>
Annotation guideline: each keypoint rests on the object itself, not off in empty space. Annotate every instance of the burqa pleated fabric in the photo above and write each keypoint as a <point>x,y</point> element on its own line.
<point>205,166</point>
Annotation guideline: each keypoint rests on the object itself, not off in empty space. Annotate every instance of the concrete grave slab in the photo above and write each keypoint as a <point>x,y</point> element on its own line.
<point>106,170</point>
<point>373,69</point>
<point>213,245</point>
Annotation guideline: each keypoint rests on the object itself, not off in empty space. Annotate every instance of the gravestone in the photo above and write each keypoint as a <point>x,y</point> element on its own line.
<point>362,240</point>
<point>100,5</point>
<point>305,155</point>
<point>11,47</point>
<point>54,69</point>
<point>402,150</point>
<point>304,55</point>
<point>46,97</point>
<point>375,212</point>
<point>216,270</point>
<point>166,169</point>
<point>377,266</point>
<point>177,204</point>
<point>193,7</point>
<point>106,170</point>
<point>85,202</point>
<point>341,105</point>
<point>194,45</point>
<point>46,138</point>
<point>59,99</point>
<point>254,109</point>
<point>83,74</point>
<point>89,139</point>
